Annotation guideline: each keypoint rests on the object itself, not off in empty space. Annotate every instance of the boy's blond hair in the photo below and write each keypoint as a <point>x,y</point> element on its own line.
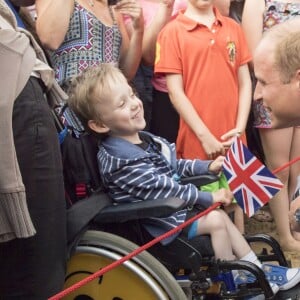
<point>88,88</point>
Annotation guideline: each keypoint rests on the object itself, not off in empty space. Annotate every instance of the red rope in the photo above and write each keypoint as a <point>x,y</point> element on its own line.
<point>131,254</point>
<point>286,165</point>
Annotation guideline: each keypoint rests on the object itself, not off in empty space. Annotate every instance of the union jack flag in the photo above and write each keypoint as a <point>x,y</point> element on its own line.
<point>252,184</point>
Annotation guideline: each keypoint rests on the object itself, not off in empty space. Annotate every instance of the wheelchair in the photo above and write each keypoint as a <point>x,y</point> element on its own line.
<point>181,270</point>
<point>100,232</point>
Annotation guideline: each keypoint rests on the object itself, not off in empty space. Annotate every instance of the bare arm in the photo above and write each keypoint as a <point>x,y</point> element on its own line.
<point>53,17</point>
<point>151,31</point>
<point>161,18</point>
<point>252,22</point>
<point>182,104</point>
<point>131,51</point>
<point>245,92</point>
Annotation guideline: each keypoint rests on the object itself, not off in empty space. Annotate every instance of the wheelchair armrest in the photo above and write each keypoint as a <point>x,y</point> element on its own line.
<point>200,179</point>
<point>139,210</point>
<point>151,208</point>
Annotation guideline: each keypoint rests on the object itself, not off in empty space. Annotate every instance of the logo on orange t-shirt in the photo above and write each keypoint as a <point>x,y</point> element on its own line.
<point>231,51</point>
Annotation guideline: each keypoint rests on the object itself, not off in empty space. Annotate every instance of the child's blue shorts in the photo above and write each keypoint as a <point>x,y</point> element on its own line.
<point>193,230</point>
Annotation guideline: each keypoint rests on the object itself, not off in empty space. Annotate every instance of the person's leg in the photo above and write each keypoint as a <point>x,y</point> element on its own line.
<point>295,167</point>
<point>165,119</point>
<point>34,268</point>
<point>277,148</point>
<point>294,217</point>
<point>143,86</point>
<point>238,216</point>
<point>240,246</point>
<point>239,219</point>
<point>227,242</point>
<point>294,173</point>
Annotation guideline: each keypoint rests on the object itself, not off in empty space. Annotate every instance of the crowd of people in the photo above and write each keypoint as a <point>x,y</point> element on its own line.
<point>200,68</point>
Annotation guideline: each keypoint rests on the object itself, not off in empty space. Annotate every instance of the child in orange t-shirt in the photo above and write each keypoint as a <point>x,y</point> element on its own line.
<point>204,56</point>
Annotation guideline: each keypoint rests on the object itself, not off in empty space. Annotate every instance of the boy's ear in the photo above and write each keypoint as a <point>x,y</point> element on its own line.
<point>97,126</point>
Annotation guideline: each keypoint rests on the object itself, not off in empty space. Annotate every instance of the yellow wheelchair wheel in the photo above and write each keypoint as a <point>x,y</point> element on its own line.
<point>141,278</point>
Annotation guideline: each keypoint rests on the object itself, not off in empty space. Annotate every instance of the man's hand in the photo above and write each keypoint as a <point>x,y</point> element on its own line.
<point>212,146</point>
<point>216,165</point>
<point>229,136</point>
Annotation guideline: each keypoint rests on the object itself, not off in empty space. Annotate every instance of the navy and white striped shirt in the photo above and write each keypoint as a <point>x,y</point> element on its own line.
<point>133,174</point>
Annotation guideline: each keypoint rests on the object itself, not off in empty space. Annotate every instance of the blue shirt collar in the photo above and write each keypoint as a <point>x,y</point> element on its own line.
<point>16,13</point>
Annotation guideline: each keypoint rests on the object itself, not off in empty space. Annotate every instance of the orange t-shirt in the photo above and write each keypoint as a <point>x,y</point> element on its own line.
<point>208,60</point>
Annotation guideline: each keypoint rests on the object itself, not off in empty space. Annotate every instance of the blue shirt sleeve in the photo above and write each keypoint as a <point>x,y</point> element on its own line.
<point>189,167</point>
<point>142,181</point>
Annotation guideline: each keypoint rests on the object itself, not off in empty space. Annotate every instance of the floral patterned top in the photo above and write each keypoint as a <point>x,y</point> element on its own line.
<point>275,12</point>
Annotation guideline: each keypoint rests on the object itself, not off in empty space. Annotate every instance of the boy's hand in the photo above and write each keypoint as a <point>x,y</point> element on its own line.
<point>216,165</point>
<point>222,195</point>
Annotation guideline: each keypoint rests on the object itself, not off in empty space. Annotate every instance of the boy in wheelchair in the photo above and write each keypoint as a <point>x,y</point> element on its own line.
<point>136,166</point>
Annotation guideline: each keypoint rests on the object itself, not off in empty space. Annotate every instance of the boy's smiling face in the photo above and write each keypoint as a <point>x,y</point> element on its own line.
<point>121,112</point>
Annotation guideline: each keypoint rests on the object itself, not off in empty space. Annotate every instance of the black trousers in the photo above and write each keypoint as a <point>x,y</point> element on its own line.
<point>34,268</point>
<point>165,119</point>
